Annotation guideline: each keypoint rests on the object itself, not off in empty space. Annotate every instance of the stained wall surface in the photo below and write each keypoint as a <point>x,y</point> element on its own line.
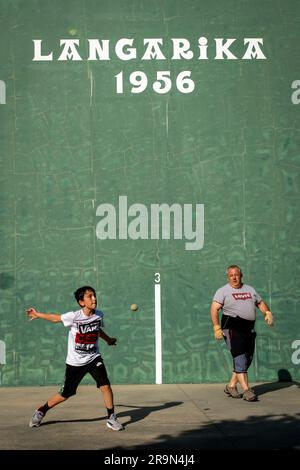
<point>148,143</point>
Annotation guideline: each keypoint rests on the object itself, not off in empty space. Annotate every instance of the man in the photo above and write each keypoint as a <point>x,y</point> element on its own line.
<point>238,303</point>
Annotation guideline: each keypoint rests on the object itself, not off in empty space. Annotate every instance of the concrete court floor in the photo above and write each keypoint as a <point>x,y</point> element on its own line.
<point>157,418</point>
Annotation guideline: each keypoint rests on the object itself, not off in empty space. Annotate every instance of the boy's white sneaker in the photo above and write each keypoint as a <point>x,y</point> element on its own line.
<point>36,419</point>
<point>113,423</point>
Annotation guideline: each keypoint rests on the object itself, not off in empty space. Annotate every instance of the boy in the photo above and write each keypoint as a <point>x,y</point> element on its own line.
<point>83,354</point>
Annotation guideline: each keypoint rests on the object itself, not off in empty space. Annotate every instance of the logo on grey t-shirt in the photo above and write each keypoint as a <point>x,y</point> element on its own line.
<point>242,296</point>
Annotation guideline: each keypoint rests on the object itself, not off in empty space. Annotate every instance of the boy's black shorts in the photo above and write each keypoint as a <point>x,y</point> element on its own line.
<point>74,375</point>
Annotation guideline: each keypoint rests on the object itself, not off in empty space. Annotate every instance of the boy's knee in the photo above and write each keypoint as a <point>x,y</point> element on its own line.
<point>67,394</point>
<point>105,388</point>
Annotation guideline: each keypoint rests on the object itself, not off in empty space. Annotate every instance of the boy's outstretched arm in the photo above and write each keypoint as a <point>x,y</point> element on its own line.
<point>33,314</point>
<point>110,341</point>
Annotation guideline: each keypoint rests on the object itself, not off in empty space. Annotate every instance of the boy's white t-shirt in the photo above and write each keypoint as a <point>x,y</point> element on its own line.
<point>83,336</point>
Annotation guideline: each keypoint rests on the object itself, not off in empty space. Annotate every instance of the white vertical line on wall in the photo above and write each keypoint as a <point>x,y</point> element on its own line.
<point>158,351</point>
<point>91,78</point>
<point>167,118</point>
<point>2,92</point>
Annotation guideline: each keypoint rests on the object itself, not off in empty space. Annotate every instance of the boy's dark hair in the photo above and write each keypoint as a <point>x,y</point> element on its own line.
<point>79,293</point>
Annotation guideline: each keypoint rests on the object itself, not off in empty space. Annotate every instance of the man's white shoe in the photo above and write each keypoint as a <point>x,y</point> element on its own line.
<point>113,423</point>
<point>36,419</point>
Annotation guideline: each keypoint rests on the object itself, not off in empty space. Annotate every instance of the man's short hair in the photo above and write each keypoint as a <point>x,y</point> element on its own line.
<point>79,293</point>
<point>234,266</point>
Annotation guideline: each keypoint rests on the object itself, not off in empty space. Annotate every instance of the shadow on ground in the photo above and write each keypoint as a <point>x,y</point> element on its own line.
<point>284,380</point>
<point>137,413</point>
<point>267,432</point>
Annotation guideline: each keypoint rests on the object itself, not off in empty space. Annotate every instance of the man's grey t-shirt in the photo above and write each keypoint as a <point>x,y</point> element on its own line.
<point>240,302</point>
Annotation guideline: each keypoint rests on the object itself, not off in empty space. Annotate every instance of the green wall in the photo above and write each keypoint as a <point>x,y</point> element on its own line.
<point>69,143</point>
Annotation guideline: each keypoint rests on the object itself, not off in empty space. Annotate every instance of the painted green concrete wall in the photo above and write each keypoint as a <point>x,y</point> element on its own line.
<point>219,136</point>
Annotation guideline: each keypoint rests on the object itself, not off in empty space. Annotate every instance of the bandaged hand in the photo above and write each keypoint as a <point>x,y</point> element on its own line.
<point>218,332</point>
<point>269,318</point>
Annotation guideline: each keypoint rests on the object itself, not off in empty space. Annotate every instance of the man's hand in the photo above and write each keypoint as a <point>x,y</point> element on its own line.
<point>112,341</point>
<point>269,318</point>
<point>218,332</point>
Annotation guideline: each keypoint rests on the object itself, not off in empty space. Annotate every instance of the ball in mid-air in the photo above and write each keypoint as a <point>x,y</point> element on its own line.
<point>72,31</point>
<point>134,307</point>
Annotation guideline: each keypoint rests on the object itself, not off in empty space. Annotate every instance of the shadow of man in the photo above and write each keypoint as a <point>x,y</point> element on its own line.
<point>284,380</point>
